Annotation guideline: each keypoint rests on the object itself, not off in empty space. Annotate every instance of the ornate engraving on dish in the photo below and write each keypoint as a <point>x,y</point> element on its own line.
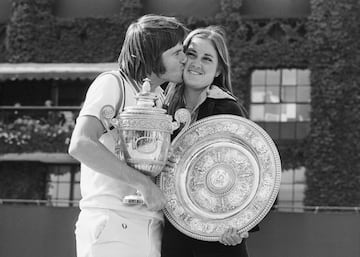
<point>220,180</point>
<point>226,174</point>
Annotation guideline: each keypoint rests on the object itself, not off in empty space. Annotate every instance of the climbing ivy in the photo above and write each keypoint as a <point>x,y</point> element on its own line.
<point>326,43</point>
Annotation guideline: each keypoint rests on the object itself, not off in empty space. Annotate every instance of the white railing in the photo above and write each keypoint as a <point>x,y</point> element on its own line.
<point>50,202</point>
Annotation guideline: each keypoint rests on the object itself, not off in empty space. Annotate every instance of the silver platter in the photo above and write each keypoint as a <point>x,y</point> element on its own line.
<point>226,173</point>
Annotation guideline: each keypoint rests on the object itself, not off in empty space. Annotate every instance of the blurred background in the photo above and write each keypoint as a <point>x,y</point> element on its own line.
<point>295,67</point>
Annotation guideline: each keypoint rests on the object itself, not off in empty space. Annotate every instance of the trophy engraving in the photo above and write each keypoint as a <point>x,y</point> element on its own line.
<point>226,172</point>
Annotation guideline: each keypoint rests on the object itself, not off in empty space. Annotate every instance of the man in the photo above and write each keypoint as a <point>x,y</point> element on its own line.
<point>106,226</point>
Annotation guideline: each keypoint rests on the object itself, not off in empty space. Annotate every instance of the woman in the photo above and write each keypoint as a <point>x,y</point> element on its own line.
<point>206,91</point>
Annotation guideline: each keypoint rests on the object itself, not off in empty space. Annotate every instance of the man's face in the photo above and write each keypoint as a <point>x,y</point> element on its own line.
<point>173,60</point>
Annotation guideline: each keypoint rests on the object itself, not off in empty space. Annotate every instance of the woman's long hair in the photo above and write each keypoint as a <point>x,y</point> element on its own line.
<point>216,35</point>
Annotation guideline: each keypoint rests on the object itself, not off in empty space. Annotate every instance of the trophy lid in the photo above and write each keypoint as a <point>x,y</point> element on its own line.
<point>146,116</point>
<point>145,102</point>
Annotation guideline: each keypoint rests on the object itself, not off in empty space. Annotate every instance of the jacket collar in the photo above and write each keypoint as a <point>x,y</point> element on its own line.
<point>217,93</point>
<point>214,92</point>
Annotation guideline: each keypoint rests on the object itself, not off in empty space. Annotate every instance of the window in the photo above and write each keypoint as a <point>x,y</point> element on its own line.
<point>280,102</point>
<point>292,189</point>
<point>64,186</point>
<point>36,92</point>
<point>37,98</point>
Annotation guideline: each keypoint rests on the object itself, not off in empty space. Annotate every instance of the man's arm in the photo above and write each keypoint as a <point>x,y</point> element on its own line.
<point>86,148</point>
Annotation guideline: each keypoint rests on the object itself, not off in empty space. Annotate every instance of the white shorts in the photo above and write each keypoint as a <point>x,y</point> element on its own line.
<point>110,233</point>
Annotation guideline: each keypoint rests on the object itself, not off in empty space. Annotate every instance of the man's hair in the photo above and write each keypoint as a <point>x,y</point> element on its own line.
<point>145,41</point>
<point>216,35</point>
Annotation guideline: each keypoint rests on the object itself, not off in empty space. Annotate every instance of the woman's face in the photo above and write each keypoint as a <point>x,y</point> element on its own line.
<point>201,65</point>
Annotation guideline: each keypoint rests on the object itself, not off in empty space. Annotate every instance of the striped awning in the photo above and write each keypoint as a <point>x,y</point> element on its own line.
<point>56,71</point>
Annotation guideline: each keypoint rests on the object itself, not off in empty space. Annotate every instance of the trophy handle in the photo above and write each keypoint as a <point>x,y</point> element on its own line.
<point>182,116</point>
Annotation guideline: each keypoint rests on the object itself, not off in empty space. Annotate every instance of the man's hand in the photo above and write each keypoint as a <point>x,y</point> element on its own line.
<point>233,237</point>
<point>154,198</point>
<point>170,163</point>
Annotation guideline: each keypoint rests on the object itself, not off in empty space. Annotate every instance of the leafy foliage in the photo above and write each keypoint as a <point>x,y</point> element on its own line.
<point>3,52</point>
<point>23,181</point>
<point>26,135</point>
<point>333,159</point>
<point>326,42</point>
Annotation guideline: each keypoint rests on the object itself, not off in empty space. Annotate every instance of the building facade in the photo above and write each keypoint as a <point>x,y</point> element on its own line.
<point>295,66</point>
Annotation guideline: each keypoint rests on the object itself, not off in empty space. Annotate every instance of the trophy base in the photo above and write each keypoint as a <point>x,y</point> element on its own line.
<point>133,200</point>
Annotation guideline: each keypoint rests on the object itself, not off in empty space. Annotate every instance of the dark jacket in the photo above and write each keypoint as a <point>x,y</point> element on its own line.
<point>174,242</point>
<point>212,106</point>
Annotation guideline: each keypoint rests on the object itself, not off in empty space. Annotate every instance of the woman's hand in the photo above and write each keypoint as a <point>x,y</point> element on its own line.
<point>233,237</point>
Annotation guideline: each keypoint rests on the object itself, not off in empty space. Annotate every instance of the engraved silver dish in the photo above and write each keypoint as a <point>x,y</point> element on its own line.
<point>226,173</point>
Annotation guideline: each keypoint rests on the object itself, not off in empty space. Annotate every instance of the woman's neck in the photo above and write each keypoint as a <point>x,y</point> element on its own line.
<point>193,97</point>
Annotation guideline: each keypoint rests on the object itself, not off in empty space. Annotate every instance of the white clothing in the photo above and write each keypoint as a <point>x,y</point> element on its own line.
<point>102,195</point>
<point>98,190</point>
<point>109,233</point>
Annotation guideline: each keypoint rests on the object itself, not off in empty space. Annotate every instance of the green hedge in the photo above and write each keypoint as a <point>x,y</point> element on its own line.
<point>326,43</point>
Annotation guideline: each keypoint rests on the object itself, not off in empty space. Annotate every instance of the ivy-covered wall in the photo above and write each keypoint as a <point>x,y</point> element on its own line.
<point>23,180</point>
<point>36,35</point>
<point>326,42</point>
<point>333,163</point>
<point>3,52</point>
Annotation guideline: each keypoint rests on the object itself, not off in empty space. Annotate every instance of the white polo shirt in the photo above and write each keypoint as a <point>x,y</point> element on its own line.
<point>97,189</point>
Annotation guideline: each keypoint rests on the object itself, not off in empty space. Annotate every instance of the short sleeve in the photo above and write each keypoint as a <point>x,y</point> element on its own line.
<point>103,92</point>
